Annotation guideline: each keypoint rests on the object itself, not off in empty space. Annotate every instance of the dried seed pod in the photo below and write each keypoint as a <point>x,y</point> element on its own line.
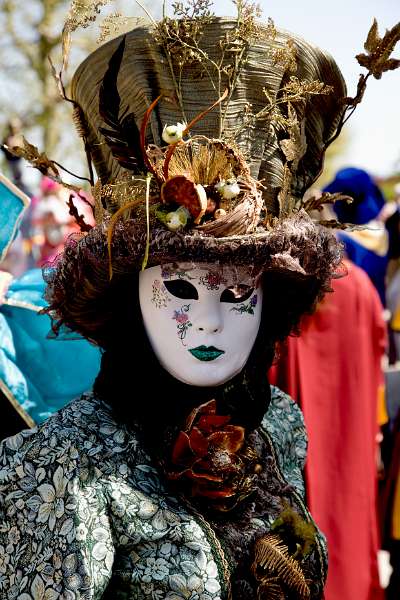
<point>181,190</point>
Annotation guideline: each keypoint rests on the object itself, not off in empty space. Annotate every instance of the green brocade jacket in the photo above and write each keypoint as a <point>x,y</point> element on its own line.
<point>84,514</point>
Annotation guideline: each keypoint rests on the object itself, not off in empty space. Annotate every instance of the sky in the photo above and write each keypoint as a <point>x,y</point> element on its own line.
<point>341,27</point>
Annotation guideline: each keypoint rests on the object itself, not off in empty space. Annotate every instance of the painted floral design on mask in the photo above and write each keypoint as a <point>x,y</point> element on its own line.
<point>182,321</point>
<point>184,334</point>
<point>212,280</point>
<point>168,271</point>
<point>160,296</point>
<point>246,308</point>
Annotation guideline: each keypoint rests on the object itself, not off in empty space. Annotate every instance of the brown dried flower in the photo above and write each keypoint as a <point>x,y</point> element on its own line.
<point>286,56</point>
<point>211,455</point>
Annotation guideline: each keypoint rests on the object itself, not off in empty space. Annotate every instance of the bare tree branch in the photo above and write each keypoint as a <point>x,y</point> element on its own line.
<point>19,43</point>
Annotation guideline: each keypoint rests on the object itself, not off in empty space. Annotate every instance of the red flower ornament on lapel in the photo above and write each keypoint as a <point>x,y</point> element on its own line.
<point>212,455</point>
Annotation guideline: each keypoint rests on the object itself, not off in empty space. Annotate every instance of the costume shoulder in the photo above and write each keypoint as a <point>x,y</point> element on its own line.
<point>82,434</point>
<point>50,477</point>
<point>284,424</point>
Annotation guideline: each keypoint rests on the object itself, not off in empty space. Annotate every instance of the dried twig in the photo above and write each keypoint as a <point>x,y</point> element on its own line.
<point>318,203</point>
<point>80,220</point>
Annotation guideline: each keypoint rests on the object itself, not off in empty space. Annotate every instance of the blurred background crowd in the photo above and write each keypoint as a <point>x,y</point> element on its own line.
<point>344,367</point>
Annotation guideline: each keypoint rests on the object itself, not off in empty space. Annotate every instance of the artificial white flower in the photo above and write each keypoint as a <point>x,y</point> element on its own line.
<point>173,133</point>
<point>228,189</point>
<point>177,219</point>
<point>220,185</point>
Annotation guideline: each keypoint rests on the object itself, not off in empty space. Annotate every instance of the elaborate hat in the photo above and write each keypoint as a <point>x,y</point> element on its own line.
<point>205,133</point>
<point>231,121</point>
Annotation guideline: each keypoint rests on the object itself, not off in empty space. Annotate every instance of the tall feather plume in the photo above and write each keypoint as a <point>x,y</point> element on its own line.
<point>122,135</point>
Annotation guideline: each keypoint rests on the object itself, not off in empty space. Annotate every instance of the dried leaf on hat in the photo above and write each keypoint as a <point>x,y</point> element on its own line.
<point>295,146</point>
<point>377,59</point>
<point>285,199</point>
<point>79,219</point>
<point>41,162</point>
<point>37,159</point>
<point>290,147</point>
<point>181,190</point>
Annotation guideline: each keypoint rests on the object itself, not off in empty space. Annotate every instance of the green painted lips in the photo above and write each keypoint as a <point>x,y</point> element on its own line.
<point>206,353</point>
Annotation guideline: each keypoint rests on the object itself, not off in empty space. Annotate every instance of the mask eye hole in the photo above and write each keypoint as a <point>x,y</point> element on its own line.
<point>236,293</point>
<point>181,289</point>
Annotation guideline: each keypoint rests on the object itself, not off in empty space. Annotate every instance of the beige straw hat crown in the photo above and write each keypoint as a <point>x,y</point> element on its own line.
<point>145,74</point>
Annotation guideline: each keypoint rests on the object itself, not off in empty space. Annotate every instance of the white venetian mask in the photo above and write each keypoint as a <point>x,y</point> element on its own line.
<point>201,319</point>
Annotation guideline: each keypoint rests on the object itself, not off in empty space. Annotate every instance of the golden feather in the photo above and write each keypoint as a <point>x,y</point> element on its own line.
<point>272,559</point>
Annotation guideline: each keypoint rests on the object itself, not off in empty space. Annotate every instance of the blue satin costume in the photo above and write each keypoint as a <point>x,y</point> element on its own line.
<point>38,373</point>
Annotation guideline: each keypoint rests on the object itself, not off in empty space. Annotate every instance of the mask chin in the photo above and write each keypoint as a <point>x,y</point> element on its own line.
<point>210,379</point>
<point>204,375</point>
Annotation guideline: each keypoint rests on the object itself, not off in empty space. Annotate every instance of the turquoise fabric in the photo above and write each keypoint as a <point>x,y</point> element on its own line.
<point>42,373</point>
<point>11,211</point>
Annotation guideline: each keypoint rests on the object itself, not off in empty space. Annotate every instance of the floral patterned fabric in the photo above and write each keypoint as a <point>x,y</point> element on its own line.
<point>84,514</point>
<point>285,424</point>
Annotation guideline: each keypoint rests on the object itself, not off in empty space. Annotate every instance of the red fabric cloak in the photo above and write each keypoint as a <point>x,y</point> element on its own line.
<point>334,371</point>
